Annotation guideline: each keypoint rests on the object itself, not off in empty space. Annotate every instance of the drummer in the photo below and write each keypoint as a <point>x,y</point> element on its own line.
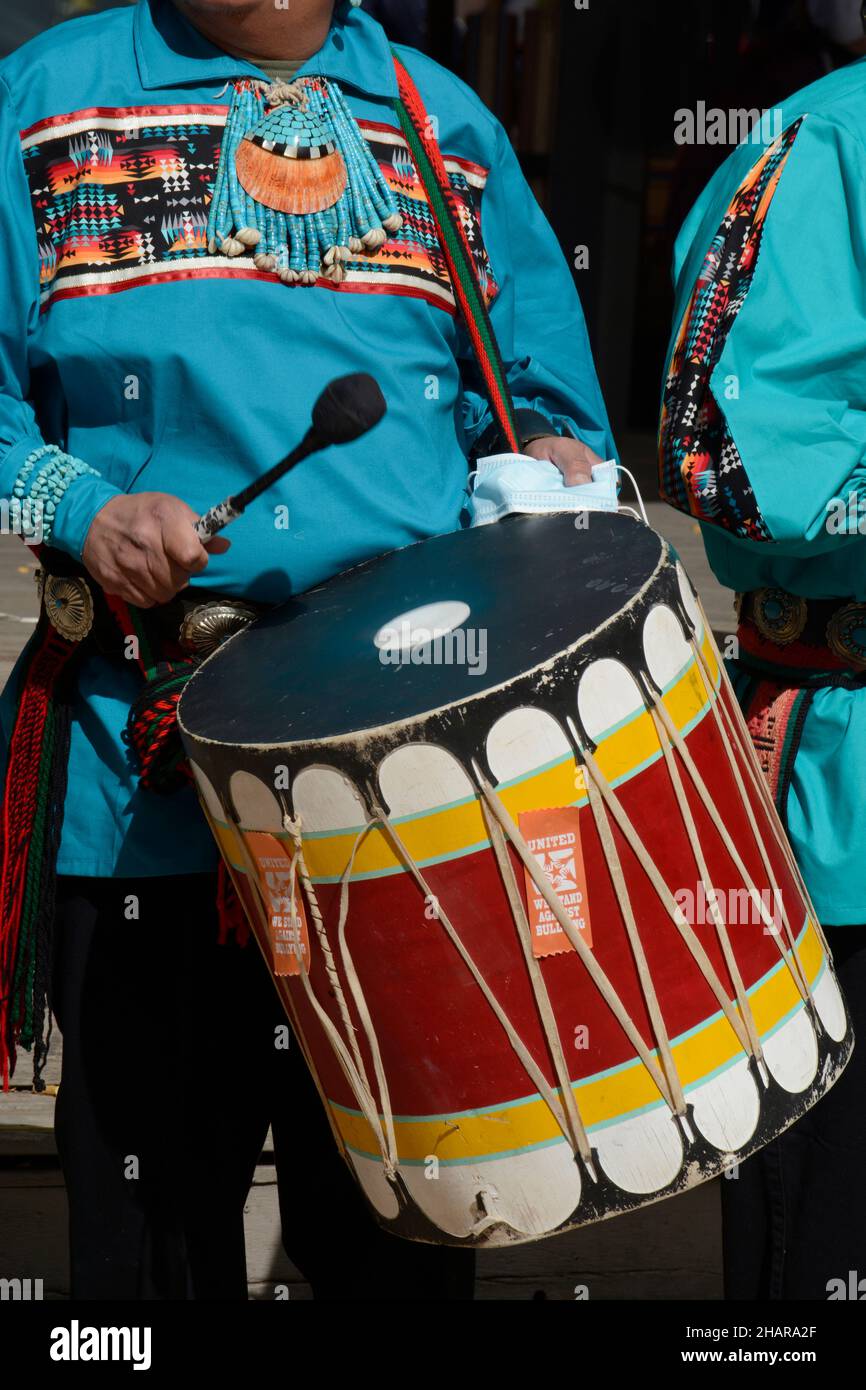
<point>152,364</point>
<point>763,440</point>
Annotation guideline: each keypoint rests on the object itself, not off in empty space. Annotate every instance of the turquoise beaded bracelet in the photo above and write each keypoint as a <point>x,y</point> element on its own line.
<point>47,486</point>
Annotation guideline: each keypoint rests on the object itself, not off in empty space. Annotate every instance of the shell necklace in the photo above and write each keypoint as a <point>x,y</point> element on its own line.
<point>296,183</point>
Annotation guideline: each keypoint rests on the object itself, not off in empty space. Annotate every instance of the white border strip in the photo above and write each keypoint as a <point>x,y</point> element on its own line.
<point>84,126</point>
<point>128,275</point>
<point>79,127</point>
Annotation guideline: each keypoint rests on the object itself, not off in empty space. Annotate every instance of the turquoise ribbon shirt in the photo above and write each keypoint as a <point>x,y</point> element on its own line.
<point>128,343</point>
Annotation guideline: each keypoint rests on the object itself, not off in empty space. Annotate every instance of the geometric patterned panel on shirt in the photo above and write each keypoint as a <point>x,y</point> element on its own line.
<point>120,198</point>
<point>700,467</point>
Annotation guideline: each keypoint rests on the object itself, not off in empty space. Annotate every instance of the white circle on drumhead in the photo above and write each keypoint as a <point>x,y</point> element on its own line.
<point>207,793</point>
<point>608,697</point>
<point>422,777</point>
<point>524,741</point>
<point>529,1192</point>
<point>791,1053</point>
<point>418,627</point>
<point>327,801</point>
<point>830,1006</point>
<point>727,1107</point>
<point>255,803</point>
<point>642,1153</point>
<point>665,649</point>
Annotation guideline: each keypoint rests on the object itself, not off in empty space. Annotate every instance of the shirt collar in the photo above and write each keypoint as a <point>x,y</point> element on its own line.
<point>170,52</point>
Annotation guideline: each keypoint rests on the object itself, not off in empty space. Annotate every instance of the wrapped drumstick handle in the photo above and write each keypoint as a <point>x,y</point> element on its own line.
<point>347,408</point>
<point>219,516</point>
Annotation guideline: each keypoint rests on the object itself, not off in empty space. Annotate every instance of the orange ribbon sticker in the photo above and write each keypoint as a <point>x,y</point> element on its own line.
<point>287,920</point>
<point>553,836</point>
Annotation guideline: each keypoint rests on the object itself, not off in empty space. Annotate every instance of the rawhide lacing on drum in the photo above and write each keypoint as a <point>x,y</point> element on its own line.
<point>355,1080</point>
<point>351,1064</point>
<point>554,902</point>
<point>578,1140</point>
<point>673,737</point>
<point>665,732</point>
<point>577,1136</point>
<point>352,975</point>
<point>736,732</point>
<point>614,864</point>
<point>355,1074</point>
<point>674,911</point>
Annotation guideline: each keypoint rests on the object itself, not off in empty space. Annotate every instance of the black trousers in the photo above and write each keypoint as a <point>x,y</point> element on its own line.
<point>170,1080</point>
<point>795,1216</point>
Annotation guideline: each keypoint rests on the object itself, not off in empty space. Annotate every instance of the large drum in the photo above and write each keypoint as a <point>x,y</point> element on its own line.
<point>501,835</point>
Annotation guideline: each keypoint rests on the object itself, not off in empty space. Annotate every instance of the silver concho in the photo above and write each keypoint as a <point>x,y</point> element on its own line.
<point>846,634</point>
<point>780,617</point>
<point>206,627</point>
<point>68,604</point>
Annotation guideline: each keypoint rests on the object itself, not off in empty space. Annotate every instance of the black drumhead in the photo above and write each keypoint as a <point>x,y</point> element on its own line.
<point>311,669</point>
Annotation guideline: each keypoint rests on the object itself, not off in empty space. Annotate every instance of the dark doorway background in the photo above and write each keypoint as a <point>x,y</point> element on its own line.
<point>588,90</point>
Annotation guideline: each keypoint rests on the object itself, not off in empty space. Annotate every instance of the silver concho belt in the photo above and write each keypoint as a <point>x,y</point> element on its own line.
<point>207,626</point>
<point>68,602</point>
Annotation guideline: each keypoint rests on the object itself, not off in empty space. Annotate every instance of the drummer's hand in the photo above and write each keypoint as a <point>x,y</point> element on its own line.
<point>142,547</point>
<point>574,460</point>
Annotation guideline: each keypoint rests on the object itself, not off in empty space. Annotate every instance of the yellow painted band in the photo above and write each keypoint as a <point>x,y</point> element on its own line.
<point>526,1124</point>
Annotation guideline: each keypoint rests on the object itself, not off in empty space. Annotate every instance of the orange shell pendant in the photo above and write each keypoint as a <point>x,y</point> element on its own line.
<point>289,161</point>
<point>287,184</point>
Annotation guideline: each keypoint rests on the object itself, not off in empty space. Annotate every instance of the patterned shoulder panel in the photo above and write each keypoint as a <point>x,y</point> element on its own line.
<point>121,198</point>
<point>700,468</point>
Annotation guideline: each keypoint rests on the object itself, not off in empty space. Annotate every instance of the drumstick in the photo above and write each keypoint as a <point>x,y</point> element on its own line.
<point>347,408</point>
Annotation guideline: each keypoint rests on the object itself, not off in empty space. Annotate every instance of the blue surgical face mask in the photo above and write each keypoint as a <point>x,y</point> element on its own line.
<point>507,483</point>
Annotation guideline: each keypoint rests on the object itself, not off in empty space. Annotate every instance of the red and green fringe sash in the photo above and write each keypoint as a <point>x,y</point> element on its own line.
<point>152,728</point>
<point>32,816</point>
<point>417,128</point>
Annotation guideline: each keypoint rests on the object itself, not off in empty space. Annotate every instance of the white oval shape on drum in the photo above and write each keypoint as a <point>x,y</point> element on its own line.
<point>257,807</point>
<point>419,626</point>
<point>213,805</point>
<point>690,603</point>
<point>422,777</point>
<point>529,1193</point>
<point>727,1108</point>
<point>666,651</point>
<point>327,801</point>
<point>608,696</point>
<point>792,1053</point>
<point>523,741</point>
<point>642,1154</point>
<point>830,1005</point>
<point>380,1193</point>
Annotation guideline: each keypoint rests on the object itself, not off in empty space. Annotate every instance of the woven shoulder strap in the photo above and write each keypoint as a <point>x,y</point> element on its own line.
<point>418,130</point>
